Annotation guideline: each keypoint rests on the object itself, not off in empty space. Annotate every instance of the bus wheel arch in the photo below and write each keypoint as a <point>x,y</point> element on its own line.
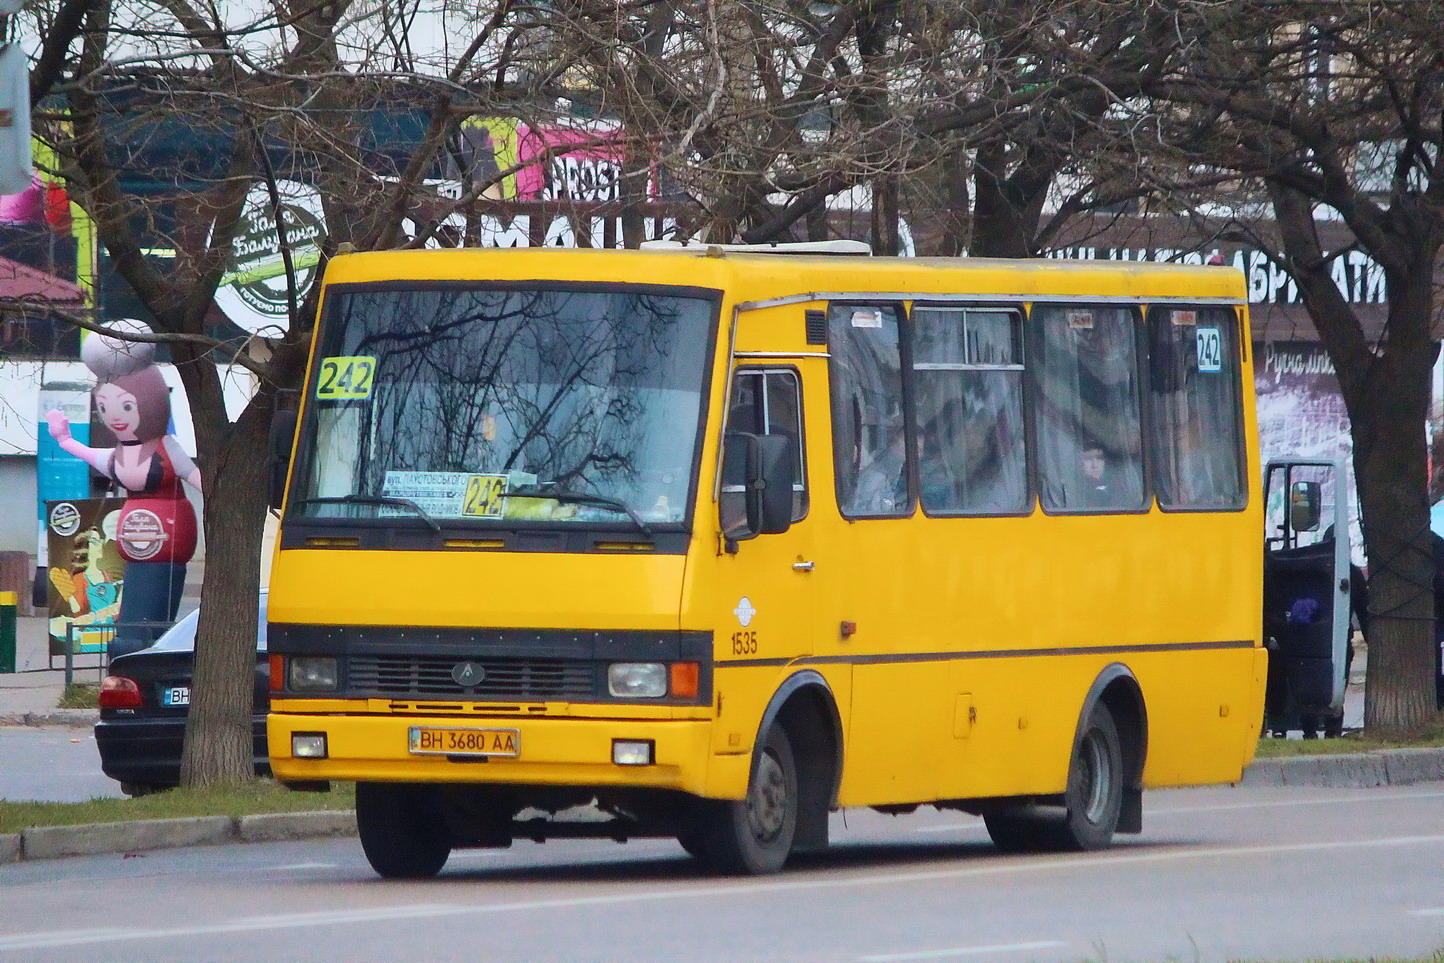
<point>1117,689</point>
<point>806,709</point>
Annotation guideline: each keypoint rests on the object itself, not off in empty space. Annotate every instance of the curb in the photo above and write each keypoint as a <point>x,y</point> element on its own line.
<point>97,839</point>
<point>282,827</point>
<point>1384,767</point>
<point>72,718</point>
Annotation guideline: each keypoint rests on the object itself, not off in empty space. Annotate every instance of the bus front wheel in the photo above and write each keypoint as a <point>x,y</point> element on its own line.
<point>752,836</point>
<point>402,830</point>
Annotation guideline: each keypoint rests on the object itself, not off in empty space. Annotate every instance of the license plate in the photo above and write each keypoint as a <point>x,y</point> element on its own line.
<point>176,696</point>
<point>427,741</point>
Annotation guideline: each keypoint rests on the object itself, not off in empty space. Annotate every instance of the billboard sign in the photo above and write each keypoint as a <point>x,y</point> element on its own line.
<point>254,293</point>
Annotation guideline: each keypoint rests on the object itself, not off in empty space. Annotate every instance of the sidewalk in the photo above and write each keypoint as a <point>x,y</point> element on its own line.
<point>36,688</point>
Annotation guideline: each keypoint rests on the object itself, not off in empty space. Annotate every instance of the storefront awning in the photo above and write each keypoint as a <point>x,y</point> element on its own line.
<point>21,285</point>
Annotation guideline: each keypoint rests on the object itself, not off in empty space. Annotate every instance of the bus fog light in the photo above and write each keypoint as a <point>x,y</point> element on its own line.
<point>308,745</point>
<point>637,680</point>
<point>632,752</point>
<point>312,673</point>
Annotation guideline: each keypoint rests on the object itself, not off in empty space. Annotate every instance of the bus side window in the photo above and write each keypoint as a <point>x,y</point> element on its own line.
<point>968,408</point>
<point>764,401</point>
<point>1086,408</point>
<point>1194,389</point>
<point>869,432</point>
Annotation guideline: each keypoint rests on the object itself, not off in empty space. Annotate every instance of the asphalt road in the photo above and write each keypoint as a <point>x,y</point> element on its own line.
<point>1220,874</point>
<point>51,765</point>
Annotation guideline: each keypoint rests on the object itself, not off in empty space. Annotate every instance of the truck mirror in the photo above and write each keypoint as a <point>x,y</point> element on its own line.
<point>283,435</point>
<point>1304,502</point>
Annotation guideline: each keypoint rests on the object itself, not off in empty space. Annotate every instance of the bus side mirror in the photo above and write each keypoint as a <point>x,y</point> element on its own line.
<point>761,467</point>
<point>1304,502</point>
<point>283,435</point>
<point>769,485</point>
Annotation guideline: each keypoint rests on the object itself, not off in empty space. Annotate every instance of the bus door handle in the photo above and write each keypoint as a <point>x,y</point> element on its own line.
<point>802,566</point>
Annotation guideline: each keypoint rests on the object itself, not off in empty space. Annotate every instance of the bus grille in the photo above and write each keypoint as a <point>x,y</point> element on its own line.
<point>525,679</point>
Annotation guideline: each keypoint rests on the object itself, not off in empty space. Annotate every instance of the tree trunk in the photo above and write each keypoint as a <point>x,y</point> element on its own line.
<point>886,241</point>
<point>955,214</point>
<point>1399,695</point>
<point>998,223</point>
<point>218,743</point>
<point>1389,415</point>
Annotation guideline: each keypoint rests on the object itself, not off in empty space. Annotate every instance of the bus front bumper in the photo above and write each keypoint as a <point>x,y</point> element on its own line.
<point>550,751</point>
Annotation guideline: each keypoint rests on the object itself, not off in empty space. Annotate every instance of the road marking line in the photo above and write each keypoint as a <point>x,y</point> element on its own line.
<point>38,940</point>
<point>1194,810</point>
<point>964,951</point>
<point>1430,912</point>
<point>289,866</point>
<point>989,868</point>
<point>1325,801</point>
<point>250,924</point>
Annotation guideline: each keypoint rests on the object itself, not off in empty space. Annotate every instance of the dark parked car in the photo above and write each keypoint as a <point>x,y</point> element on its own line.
<point>143,706</point>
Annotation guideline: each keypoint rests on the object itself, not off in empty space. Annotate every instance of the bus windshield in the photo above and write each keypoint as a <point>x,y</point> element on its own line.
<point>468,404</point>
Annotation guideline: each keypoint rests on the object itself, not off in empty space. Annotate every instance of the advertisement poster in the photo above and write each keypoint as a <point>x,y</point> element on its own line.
<point>57,474</point>
<point>1301,413</point>
<point>86,571</point>
<point>255,293</point>
<point>527,162</point>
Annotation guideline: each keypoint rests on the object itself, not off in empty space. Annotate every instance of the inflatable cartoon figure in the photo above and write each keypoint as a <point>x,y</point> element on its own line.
<point>157,526</point>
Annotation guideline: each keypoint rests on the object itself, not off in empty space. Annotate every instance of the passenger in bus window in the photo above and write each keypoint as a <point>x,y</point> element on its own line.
<point>1097,485</point>
<point>882,487</point>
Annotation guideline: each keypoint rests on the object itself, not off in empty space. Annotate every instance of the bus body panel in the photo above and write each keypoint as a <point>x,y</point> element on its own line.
<point>555,752</point>
<point>958,650</point>
<point>476,589</point>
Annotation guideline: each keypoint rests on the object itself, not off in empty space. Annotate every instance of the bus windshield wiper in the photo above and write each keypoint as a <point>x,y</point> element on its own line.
<point>355,499</point>
<point>567,495</point>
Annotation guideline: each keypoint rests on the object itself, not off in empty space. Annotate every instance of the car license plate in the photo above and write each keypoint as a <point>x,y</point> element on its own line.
<point>428,741</point>
<point>179,695</point>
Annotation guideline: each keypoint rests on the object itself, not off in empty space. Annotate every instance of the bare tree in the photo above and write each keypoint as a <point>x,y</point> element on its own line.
<point>1310,113</point>
<point>287,92</point>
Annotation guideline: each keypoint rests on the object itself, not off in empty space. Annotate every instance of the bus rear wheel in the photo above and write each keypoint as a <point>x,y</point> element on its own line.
<point>751,836</point>
<point>1094,797</point>
<point>402,829</point>
<point>1092,800</point>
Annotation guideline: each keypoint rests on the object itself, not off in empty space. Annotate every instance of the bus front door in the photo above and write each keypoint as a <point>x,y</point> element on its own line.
<point>765,588</point>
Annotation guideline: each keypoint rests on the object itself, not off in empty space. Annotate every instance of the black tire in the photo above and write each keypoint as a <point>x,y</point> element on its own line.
<point>402,829</point>
<point>692,842</point>
<point>1094,796</point>
<point>1334,725</point>
<point>1013,830</point>
<point>752,836</point>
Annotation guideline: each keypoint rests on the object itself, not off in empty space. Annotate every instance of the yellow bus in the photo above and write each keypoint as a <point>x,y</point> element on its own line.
<point>718,542</point>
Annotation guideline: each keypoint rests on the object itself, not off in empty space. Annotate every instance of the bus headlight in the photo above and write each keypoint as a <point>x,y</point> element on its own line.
<point>312,673</point>
<point>637,680</point>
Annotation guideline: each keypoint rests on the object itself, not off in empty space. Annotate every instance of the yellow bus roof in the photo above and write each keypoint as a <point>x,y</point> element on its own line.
<point>760,277</point>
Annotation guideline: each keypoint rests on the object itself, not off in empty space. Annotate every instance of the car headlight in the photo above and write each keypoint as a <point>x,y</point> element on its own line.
<point>312,673</point>
<point>637,680</point>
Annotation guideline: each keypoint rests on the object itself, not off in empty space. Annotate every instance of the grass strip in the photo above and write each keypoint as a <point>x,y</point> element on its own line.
<point>1428,738</point>
<point>80,697</point>
<point>237,799</point>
